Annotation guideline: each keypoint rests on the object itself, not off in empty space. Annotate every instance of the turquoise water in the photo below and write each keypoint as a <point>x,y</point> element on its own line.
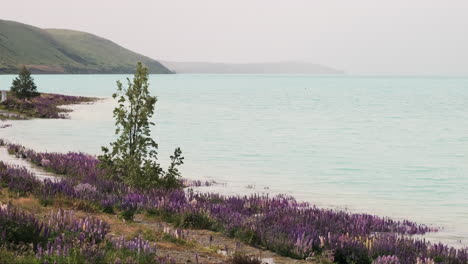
<point>391,146</point>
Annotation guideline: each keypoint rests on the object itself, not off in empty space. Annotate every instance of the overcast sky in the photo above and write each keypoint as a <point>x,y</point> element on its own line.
<point>409,37</point>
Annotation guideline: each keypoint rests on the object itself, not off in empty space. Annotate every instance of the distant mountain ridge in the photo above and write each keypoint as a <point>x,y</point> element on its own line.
<point>65,51</point>
<point>286,67</point>
<point>70,51</point>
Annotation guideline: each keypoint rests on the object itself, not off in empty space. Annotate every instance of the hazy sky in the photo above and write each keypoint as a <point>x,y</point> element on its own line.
<point>410,37</point>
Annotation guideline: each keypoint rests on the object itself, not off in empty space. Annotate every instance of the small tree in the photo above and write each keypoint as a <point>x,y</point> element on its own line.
<point>23,86</point>
<point>133,157</point>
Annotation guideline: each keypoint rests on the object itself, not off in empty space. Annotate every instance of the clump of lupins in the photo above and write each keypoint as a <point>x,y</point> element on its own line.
<point>87,229</point>
<point>17,227</point>
<point>59,247</point>
<point>73,164</point>
<point>45,105</point>
<point>386,260</point>
<point>425,261</point>
<point>166,260</point>
<point>63,237</point>
<point>278,223</point>
<point>62,226</point>
<point>137,245</point>
<point>17,179</point>
<point>85,188</point>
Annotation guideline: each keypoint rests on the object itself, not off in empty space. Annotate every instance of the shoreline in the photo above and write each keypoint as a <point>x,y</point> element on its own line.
<point>347,211</point>
<point>404,230</point>
<point>443,235</point>
<point>43,106</point>
<point>402,226</point>
<point>180,237</point>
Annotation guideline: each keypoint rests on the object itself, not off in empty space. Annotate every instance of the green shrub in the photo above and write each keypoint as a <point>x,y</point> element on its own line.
<point>46,201</point>
<point>247,236</point>
<point>244,259</point>
<point>352,252</point>
<point>128,214</point>
<point>10,257</point>
<point>164,215</point>
<point>196,221</point>
<point>108,209</point>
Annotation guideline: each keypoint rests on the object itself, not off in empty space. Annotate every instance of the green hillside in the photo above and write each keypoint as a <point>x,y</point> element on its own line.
<point>65,51</point>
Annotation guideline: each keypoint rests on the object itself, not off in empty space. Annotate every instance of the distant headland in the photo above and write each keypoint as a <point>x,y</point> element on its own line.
<point>64,51</point>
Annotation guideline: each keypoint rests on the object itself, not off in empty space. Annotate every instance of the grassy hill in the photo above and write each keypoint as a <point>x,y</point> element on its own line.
<point>65,51</point>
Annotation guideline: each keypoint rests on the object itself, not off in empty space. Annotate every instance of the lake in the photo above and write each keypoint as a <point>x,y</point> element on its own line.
<point>393,146</point>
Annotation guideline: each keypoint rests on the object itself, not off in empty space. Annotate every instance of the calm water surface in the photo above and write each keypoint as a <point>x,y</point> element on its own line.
<point>392,146</point>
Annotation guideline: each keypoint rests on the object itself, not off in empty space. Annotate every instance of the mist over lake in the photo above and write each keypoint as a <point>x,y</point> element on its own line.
<point>391,146</point>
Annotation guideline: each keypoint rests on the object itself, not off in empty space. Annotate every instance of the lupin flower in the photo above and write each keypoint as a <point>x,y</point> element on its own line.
<point>386,260</point>
<point>137,244</point>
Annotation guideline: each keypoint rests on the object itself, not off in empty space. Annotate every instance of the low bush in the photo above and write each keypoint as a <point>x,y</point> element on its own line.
<point>19,228</point>
<point>195,220</point>
<point>17,179</point>
<point>128,214</point>
<point>351,252</point>
<point>244,259</point>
